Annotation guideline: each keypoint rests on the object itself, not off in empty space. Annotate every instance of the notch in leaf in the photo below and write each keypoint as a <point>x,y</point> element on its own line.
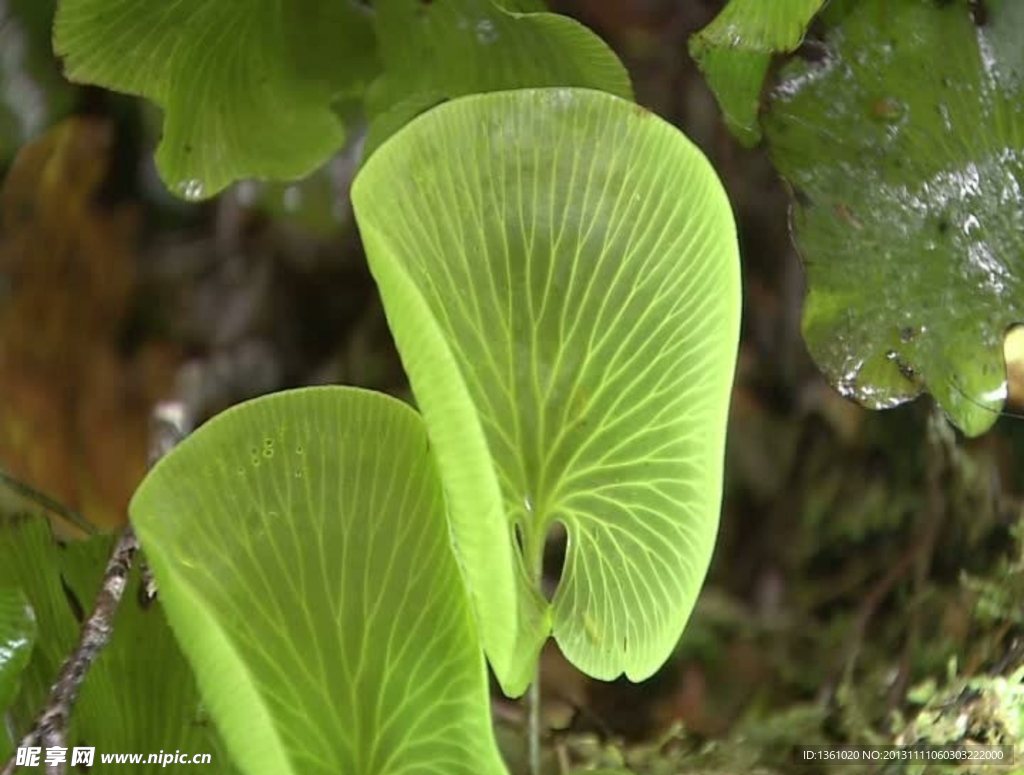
<point>560,270</point>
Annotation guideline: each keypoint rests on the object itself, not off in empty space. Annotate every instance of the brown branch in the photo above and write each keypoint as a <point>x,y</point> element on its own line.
<point>50,728</point>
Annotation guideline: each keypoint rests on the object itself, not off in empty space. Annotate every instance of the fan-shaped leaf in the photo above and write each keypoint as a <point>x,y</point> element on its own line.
<point>905,146</point>
<point>438,50</point>
<point>734,52</point>
<point>302,553</point>
<point>559,268</point>
<point>246,85</point>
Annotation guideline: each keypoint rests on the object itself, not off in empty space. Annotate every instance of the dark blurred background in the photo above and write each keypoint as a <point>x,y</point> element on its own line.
<point>866,559</point>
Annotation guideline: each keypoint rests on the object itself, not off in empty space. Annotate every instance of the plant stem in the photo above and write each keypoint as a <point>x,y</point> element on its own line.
<point>533,725</point>
<point>51,725</point>
<point>533,694</point>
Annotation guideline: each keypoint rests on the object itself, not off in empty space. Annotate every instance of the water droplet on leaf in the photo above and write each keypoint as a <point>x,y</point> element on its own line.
<point>486,33</point>
<point>191,189</point>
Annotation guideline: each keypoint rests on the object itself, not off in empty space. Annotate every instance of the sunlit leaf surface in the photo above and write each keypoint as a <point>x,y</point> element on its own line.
<point>734,52</point>
<point>303,557</point>
<point>246,86</point>
<point>438,50</point>
<point>559,268</point>
<point>140,695</point>
<point>904,149</point>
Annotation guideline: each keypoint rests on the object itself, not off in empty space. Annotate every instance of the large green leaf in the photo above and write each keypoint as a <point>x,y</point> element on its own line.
<point>734,52</point>
<point>140,695</point>
<point>904,148</point>
<point>17,636</point>
<point>302,553</point>
<point>434,51</point>
<point>246,85</point>
<point>559,269</point>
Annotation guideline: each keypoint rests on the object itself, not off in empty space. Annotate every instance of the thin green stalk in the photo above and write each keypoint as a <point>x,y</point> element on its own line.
<point>533,694</point>
<point>533,725</point>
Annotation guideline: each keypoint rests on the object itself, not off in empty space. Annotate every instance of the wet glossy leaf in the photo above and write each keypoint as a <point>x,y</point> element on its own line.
<point>73,409</point>
<point>734,52</point>
<point>140,694</point>
<point>302,553</point>
<point>246,87</point>
<point>559,269</point>
<point>434,51</point>
<point>904,147</point>
<point>17,636</point>
<point>32,91</point>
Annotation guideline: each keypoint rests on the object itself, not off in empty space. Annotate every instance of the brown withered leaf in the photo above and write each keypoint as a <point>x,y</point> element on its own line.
<point>73,408</point>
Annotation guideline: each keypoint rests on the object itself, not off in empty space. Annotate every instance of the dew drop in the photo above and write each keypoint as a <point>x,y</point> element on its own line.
<point>191,189</point>
<point>947,117</point>
<point>486,33</point>
<point>528,504</point>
